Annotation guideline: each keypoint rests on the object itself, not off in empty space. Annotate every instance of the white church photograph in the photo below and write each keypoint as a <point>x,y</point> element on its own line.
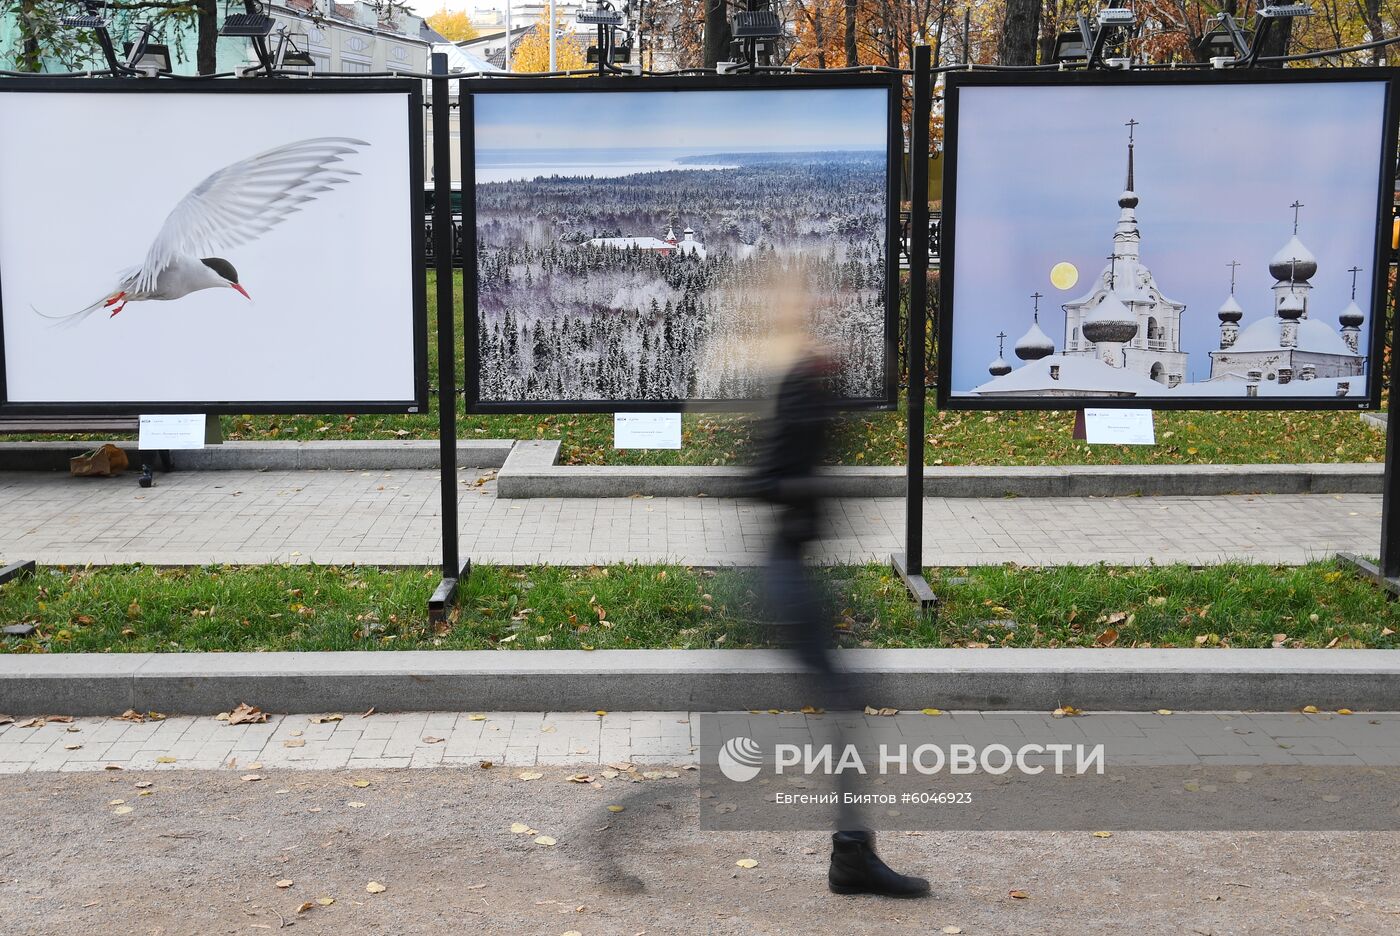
<point>1165,242</point>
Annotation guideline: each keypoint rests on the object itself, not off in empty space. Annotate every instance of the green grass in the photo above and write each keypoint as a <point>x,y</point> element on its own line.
<point>878,438</point>
<point>262,608</point>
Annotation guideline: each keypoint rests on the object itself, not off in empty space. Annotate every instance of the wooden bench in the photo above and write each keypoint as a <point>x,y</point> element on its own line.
<point>75,425</point>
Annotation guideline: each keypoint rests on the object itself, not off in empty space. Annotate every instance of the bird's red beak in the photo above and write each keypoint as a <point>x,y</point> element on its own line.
<point>242,290</point>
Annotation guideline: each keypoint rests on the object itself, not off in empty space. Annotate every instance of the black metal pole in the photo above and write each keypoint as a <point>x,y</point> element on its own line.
<point>911,565</point>
<point>1390,533</point>
<point>445,596</point>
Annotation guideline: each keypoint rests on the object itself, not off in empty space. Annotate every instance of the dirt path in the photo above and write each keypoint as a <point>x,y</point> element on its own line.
<point>203,852</point>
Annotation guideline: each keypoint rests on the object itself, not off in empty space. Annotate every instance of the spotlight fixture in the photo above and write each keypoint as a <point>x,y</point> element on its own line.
<point>84,21</point>
<point>246,25</point>
<point>757,24</point>
<point>152,58</point>
<point>1284,10</point>
<point>600,17</point>
<point>1069,47</point>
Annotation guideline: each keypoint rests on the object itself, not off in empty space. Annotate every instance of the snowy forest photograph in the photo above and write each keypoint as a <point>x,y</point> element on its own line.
<point>628,242</point>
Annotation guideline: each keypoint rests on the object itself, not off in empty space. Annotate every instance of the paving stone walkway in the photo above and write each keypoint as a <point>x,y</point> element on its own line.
<point>393,518</point>
<point>523,739</point>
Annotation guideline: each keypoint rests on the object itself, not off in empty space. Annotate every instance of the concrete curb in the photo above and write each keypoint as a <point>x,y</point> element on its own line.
<point>697,680</point>
<point>348,454</point>
<point>530,471</point>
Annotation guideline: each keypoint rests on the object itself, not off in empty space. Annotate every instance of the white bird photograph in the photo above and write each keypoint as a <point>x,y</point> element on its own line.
<point>252,247</point>
<point>231,207</point>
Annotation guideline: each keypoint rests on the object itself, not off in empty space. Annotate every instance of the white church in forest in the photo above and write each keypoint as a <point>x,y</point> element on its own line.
<point>1123,337</point>
<point>687,246</point>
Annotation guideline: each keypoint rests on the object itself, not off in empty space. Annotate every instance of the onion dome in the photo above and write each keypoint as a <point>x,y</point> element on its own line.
<point>1290,307</point>
<point>1230,310</point>
<point>1293,263</point>
<point>1351,316</point>
<point>999,368</point>
<point>1034,344</point>
<point>1128,199</point>
<point>1110,321</point>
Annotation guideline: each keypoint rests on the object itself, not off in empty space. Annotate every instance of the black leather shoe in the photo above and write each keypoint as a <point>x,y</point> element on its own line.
<point>856,869</point>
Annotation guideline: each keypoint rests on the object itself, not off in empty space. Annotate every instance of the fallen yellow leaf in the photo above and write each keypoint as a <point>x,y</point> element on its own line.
<point>165,759</point>
<point>374,887</point>
<point>478,718</point>
<point>1164,711</point>
<point>1310,710</point>
<point>529,775</point>
<point>934,711</point>
<point>614,808</point>
<point>952,930</point>
<point>519,828</point>
<point>545,840</point>
<point>1018,894</point>
<point>747,863</point>
<point>354,804</point>
<point>325,901</point>
<point>359,783</point>
<point>285,883</point>
<point>601,712</point>
<point>251,778</point>
<point>121,810</point>
<point>1103,835</point>
<point>1343,711</point>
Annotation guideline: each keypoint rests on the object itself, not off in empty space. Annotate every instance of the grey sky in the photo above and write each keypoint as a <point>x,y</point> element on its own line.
<point>805,119</point>
<point>1040,170</point>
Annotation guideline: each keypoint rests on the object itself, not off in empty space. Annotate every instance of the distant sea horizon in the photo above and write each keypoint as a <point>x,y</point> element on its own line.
<point>516,165</point>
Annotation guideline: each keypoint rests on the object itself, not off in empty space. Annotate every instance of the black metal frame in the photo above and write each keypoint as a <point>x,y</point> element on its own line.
<point>767,82</point>
<point>1380,258</point>
<point>413,95</point>
<point>444,597</point>
<point>909,565</point>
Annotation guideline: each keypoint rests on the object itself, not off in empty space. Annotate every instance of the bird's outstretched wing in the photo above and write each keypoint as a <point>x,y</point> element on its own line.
<point>244,200</point>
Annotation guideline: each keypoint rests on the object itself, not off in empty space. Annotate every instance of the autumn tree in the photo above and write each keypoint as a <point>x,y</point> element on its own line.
<point>532,53</point>
<point>1019,32</point>
<point>454,25</point>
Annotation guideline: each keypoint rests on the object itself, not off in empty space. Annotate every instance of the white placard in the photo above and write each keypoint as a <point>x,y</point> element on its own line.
<point>1119,427</point>
<point>171,431</point>
<point>647,430</point>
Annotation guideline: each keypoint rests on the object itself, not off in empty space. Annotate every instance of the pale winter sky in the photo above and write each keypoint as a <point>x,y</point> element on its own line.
<point>1040,170</point>
<point>715,121</point>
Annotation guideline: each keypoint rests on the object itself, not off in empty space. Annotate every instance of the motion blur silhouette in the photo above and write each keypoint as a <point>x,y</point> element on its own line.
<point>795,440</point>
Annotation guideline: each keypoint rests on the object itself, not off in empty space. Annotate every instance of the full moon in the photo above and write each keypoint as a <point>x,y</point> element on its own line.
<point>1064,275</point>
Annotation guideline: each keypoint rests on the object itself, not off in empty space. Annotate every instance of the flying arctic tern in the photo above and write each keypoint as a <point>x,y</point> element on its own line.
<point>232,207</point>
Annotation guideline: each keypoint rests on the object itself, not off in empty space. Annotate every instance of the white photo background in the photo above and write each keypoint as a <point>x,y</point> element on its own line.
<point>637,263</point>
<point>87,180</point>
<point>1040,180</point>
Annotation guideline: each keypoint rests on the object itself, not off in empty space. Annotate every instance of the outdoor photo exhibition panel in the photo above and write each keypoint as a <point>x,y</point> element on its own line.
<point>183,246</point>
<point>660,245</point>
<point>1166,240</point>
